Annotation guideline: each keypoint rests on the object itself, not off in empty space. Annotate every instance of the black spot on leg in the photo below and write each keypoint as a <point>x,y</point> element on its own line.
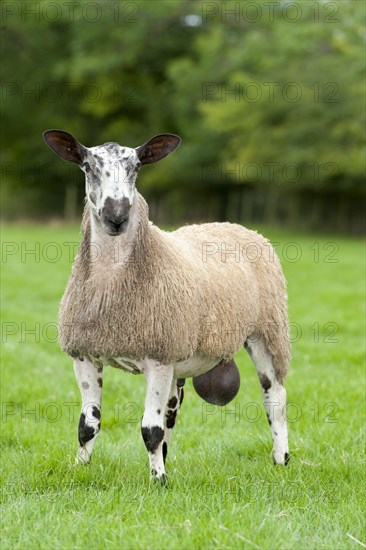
<point>108,174</point>
<point>158,411</point>
<point>100,381</point>
<point>96,412</point>
<point>265,382</point>
<point>170,418</point>
<point>157,393</point>
<point>152,437</point>
<point>181,396</point>
<point>86,433</point>
<point>172,403</point>
<point>181,382</point>
<point>165,451</point>
<point>85,385</point>
<point>269,420</point>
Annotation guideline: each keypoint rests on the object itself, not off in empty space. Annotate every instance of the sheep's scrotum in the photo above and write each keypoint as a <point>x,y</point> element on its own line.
<point>219,385</point>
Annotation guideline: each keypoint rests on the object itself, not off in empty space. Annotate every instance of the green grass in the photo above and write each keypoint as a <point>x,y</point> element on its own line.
<point>224,491</point>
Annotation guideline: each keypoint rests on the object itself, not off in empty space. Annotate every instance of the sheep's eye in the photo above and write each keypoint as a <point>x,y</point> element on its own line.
<point>86,166</point>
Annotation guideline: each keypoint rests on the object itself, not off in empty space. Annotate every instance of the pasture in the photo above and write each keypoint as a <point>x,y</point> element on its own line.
<point>224,491</point>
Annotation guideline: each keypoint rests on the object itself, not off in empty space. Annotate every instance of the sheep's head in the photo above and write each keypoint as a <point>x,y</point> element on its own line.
<point>110,172</point>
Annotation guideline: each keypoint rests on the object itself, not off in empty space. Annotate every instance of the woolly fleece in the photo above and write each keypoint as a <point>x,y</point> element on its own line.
<point>203,289</point>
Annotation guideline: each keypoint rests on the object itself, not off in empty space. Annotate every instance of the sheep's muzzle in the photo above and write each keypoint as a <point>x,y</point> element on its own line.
<point>114,215</point>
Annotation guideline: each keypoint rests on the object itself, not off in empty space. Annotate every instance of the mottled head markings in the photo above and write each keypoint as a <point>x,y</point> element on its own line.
<point>110,175</point>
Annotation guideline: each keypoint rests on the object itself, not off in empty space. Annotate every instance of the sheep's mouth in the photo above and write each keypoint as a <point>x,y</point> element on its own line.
<point>113,229</point>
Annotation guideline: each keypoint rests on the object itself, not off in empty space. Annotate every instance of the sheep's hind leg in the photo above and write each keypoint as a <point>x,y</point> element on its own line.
<point>159,381</point>
<point>89,378</point>
<point>174,402</point>
<point>274,398</point>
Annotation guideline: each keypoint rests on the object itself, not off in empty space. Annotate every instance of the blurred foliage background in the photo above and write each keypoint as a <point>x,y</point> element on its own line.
<point>268,98</point>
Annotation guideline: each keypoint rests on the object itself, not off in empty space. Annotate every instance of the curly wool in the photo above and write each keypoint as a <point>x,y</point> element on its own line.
<point>190,291</point>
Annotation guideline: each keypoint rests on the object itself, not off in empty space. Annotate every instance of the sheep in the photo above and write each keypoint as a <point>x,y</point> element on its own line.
<point>170,305</point>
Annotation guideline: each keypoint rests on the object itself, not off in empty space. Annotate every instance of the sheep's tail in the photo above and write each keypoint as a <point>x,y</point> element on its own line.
<point>278,344</point>
<point>274,326</point>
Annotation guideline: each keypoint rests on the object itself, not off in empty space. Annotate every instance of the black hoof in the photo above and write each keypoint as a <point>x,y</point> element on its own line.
<point>162,480</point>
<point>286,460</point>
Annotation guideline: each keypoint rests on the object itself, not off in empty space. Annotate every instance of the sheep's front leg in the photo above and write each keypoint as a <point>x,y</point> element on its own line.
<point>89,378</point>
<point>159,381</point>
<point>174,402</point>
<point>274,399</point>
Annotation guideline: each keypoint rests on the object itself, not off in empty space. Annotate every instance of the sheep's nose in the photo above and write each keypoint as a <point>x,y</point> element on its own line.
<point>114,223</point>
<point>115,213</point>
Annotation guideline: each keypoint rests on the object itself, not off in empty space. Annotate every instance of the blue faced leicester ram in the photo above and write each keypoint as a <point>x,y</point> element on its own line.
<point>169,305</point>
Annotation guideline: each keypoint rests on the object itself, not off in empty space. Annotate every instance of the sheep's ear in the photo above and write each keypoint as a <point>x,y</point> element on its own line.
<point>157,148</point>
<point>65,145</point>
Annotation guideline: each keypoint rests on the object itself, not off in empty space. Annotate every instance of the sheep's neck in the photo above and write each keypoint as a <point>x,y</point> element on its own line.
<point>110,253</point>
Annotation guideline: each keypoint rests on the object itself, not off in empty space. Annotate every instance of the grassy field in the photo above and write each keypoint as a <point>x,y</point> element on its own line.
<point>224,491</point>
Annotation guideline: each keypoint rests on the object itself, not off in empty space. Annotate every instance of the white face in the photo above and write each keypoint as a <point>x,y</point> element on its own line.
<point>110,175</point>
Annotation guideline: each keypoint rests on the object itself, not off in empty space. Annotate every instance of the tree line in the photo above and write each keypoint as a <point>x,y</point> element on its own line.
<point>267,96</point>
